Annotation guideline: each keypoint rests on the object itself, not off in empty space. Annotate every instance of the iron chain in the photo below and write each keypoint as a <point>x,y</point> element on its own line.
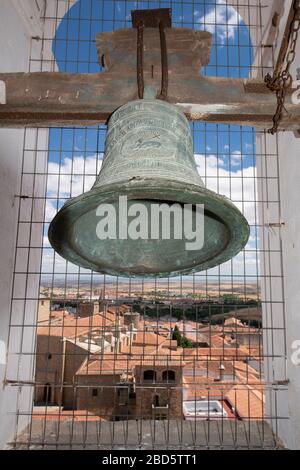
<point>283,81</point>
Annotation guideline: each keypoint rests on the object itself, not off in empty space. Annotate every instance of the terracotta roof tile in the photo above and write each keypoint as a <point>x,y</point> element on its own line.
<point>148,338</point>
<point>109,364</point>
<point>69,327</point>
<point>247,401</point>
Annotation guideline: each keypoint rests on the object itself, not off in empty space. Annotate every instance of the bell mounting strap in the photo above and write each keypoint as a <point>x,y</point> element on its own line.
<point>158,18</point>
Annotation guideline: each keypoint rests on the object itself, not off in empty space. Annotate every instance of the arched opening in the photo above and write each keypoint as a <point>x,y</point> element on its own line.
<point>168,376</point>
<point>224,155</point>
<point>149,375</point>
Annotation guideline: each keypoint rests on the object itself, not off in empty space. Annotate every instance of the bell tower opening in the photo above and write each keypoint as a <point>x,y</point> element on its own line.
<point>220,296</point>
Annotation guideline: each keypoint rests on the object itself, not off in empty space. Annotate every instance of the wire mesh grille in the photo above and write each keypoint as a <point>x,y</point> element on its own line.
<point>112,360</point>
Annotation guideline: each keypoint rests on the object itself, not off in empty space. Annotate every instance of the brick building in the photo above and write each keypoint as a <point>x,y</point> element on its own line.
<point>130,388</point>
<point>159,388</point>
<point>103,386</point>
<point>64,343</point>
<point>116,367</point>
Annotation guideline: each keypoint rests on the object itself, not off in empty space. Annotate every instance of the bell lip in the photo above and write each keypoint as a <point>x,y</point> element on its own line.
<point>155,189</point>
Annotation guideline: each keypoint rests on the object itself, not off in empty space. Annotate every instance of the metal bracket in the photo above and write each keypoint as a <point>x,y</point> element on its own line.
<point>158,18</point>
<point>282,383</point>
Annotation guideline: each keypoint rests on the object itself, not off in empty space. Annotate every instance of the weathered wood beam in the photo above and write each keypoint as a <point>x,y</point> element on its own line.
<point>58,99</point>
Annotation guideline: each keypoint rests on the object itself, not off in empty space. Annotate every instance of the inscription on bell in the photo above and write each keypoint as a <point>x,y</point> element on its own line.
<point>149,143</point>
<point>148,135</point>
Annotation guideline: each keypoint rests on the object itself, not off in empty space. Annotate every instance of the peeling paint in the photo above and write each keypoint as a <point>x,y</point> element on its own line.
<point>198,109</point>
<point>2,92</point>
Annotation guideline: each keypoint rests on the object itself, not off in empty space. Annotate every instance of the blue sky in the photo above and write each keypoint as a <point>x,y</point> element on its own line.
<point>225,155</point>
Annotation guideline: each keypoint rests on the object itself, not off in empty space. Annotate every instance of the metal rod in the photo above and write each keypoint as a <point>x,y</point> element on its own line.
<point>140,59</point>
<point>164,63</point>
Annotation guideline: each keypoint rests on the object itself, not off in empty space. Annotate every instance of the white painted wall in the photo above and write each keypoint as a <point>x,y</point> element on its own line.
<point>19,20</point>
<point>281,322</point>
<point>282,400</point>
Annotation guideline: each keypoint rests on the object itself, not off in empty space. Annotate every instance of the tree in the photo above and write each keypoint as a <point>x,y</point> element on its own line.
<point>182,341</point>
<point>186,343</point>
<point>176,335</point>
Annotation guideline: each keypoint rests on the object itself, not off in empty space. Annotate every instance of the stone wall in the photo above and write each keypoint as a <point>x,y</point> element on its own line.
<point>168,393</point>
<point>49,367</point>
<point>97,393</point>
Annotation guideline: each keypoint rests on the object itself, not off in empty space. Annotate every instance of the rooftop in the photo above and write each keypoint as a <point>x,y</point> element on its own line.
<point>248,402</point>
<point>65,325</point>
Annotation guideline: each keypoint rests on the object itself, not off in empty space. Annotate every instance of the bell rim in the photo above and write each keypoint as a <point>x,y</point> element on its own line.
<point>154,189</point>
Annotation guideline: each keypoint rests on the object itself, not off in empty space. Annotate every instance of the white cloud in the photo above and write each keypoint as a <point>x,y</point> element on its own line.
<point>239,186</point>
<point>236,158</point>
<point>221,20</point>
<point>72,177</point>
<point>69,179</point>
<point>50,210</point>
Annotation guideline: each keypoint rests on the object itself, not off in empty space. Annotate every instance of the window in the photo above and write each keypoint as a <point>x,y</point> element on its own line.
<point>156,400</point>
<point>150,375</point>
<point>168,376</point>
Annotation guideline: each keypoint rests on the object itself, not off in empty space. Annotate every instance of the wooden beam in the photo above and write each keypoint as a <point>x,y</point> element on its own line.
<point>49,99</point>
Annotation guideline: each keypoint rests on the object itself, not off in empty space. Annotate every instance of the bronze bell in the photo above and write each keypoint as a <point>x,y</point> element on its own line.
<point>148,158</point>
